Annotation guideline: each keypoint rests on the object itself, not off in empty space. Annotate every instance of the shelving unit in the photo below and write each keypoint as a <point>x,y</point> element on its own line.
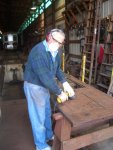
<point>104,76</point>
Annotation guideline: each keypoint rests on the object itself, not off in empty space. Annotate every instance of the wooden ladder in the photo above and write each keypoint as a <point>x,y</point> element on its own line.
<point>105,74</point>
<point>91,38</point>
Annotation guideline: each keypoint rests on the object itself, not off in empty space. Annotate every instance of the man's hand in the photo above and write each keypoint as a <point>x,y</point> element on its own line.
<point>68,89</point>
<point>62,97</point>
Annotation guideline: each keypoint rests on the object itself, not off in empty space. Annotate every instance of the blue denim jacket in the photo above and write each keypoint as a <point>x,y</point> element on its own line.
<point>41,70</point>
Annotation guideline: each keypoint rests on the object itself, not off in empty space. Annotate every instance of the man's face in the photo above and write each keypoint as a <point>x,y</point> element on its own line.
<point>58,40</point>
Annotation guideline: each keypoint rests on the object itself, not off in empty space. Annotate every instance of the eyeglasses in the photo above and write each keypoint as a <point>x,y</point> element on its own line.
<point>56,40</point>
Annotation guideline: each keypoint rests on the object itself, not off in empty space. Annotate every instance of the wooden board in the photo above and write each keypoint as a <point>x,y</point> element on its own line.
<point>88,139</point>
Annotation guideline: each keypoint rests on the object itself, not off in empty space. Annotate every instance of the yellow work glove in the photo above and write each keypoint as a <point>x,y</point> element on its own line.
<point>68,89</point>
<point>62,97</point>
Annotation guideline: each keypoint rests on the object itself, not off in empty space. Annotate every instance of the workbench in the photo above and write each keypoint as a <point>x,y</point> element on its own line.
<point>85,120</point>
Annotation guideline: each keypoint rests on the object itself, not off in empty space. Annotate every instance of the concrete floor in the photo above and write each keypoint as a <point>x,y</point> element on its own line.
<point>15,129</point>
<point>12,91</point>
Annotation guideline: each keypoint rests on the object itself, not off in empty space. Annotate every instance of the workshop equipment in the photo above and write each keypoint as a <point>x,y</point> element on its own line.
<point>69,98</point>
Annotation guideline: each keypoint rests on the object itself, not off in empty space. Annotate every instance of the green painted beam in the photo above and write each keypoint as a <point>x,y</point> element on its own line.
<point>35,15</point>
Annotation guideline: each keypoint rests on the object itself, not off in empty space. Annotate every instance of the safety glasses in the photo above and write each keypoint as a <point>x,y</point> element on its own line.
<point>56,40</point>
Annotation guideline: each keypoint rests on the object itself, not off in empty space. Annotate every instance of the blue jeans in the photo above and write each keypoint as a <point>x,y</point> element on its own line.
<point>39,109</point>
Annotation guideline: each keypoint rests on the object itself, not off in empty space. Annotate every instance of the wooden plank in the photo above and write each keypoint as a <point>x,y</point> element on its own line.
<point>90,126</point>
<point>66,20</point>
<point>96,96</point>
<point>76,81</point>
<point>88,139</point>
<point>75,18</point>
<point>75,56</point>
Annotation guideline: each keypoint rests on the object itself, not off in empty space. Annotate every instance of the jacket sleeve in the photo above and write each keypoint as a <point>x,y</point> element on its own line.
<point>40,68</point>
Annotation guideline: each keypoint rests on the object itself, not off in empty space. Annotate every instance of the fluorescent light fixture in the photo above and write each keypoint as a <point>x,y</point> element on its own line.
<point>33,6</point>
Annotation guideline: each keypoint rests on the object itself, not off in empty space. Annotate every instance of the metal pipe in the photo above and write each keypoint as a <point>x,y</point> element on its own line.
<point>83,67</point>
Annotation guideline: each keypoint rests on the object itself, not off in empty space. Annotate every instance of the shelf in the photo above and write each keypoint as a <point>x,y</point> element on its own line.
<point>105,75</point>
<point>106,64</point>
<point>102,85</point>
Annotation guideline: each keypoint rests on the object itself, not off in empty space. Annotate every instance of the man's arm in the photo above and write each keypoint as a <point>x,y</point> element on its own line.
<point>41,70</point>
<point>66,86</point>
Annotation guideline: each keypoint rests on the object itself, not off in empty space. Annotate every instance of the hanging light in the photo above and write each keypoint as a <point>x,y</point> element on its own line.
<point>33,6</point>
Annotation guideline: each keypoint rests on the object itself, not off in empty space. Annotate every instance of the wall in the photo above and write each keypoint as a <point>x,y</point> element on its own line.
<point>107,8</point>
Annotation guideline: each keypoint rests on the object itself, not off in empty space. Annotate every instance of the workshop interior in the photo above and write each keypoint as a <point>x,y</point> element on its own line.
<point>85,121</point>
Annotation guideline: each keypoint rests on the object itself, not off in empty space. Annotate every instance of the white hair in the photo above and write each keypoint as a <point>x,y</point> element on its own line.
<point>57,31</point>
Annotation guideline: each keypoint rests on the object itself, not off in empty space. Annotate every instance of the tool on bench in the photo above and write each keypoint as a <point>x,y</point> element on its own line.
<point>69,98</point>
<point>56,101</point>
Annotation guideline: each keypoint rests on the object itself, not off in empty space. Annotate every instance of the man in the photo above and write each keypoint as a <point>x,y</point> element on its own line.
<point>42,67</point>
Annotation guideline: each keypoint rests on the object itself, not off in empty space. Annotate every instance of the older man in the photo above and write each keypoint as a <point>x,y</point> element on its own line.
<point>42,67</point>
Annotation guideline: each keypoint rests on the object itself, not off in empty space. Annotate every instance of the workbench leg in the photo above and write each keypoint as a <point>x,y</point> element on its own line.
<point>56,144</point>
<point>62,131</point>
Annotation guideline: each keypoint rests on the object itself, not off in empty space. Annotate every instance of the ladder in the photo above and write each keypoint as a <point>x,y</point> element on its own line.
<point>105,74</point>
<point>91,38</point>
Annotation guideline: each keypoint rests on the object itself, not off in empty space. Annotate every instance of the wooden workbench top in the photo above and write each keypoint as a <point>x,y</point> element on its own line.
<point>90,106</point>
